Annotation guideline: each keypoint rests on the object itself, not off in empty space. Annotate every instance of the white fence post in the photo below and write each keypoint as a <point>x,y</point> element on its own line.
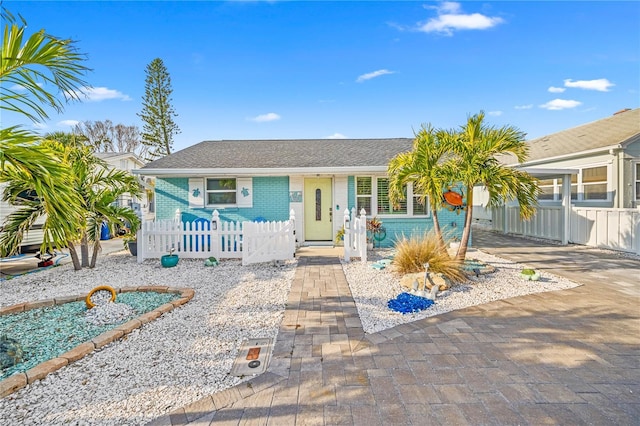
<point>346,224</point>
<point>214,232</point>
<point>292,233</point>
<point>362,238</point>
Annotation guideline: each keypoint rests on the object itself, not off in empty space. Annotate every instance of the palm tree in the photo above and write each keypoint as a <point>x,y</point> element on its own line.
<point>423,167</point>
<point>33,71</point>
<point>98,188</point>
<point>476,148</point>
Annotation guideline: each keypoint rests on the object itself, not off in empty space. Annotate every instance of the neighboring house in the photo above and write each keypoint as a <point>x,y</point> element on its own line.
<point>600,162</point>
<point>129,161</point>
<point>247,180</point>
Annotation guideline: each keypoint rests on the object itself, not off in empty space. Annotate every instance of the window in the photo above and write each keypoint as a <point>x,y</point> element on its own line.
<point>637,181</point>
<point>372,195</point>
<point>384,204</point>
<point>588,185</point>
<point>363,194</point>
<point>547,190</point>
<point>594,183</point>
<point>221,191</point>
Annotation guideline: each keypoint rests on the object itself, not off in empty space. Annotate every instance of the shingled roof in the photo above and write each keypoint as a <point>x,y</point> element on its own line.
<point>283,154</point>
<point>618,129</point>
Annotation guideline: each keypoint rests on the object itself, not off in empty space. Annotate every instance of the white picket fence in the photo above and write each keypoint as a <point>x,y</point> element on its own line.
<point>355,235</point>
<point>615,229</point>
<point>250,241</point>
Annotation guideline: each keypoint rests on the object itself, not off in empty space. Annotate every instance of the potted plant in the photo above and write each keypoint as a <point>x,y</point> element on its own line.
<point>530,274</point>
<point>169,260</point>
<point>130,239</point>
<point>375,231</point>
<point>339,236</point>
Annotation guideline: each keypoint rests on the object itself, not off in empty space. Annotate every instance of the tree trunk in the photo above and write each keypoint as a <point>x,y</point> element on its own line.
<point>438,229</point>
<point>94,256</point>
<point>74,256</point>
<point>466,233</point>
<point>84,250</point>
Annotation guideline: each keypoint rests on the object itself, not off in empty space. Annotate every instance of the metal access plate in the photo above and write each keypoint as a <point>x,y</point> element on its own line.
<point>252,358</point>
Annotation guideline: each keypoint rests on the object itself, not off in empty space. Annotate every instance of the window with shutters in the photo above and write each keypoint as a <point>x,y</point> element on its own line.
<point>372,194</point>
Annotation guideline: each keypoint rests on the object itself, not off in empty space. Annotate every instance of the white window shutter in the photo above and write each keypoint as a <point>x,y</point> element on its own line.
<point>244,195</point>
<point>196,192</point>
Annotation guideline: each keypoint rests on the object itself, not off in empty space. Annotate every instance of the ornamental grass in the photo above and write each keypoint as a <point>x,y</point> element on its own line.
<point>413,252</point>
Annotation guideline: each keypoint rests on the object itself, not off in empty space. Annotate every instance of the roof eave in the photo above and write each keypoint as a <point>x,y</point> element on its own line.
<point>572,155</point>
<point>281,171</point>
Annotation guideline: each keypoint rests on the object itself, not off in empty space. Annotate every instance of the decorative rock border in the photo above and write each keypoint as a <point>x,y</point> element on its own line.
<point>20,380</point>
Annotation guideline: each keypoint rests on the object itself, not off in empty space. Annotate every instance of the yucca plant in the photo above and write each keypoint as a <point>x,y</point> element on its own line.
<point>413,252</point>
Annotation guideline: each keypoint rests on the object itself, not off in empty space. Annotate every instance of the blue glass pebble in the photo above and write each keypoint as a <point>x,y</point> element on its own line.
<point>408,303</point>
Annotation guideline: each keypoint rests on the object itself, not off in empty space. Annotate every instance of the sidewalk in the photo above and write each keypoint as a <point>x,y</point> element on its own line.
<point>566,357</point>
<point>28,263</point>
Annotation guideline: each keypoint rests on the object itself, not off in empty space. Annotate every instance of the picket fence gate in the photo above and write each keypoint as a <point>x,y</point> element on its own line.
<point>355,235</point>
<point>250,241</point>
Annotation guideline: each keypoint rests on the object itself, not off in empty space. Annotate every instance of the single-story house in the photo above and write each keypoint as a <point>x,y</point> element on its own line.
<point>317,179</point>
<point>599,163</point>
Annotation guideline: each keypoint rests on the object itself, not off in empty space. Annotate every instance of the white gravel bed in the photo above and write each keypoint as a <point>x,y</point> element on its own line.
<point>372,289</point>
<point>187,354</point>
<point>173,361</point>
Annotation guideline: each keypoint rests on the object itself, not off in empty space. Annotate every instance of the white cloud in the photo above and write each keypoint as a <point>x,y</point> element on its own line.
<point>98,94</point>
<point>69,123</point>
<point>369,76</point>
<point>495,113</point>
<point>450,18</point>
<point>553,89</point>
<point>336,136</point>
<point>529,106</point>
<point>558,104</point>
<point>601,84</point>
<point>263,118</point>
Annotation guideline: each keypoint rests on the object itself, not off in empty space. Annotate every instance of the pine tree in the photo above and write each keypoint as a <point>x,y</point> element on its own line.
<point>157,112</point>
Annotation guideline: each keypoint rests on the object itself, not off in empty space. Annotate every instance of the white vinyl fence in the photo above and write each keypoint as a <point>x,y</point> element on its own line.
<point>615,229</point>
<point>355,235</point>
<point>250,241</point>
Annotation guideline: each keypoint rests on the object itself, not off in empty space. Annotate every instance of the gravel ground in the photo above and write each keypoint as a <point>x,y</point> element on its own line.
<point>372,289</point>
<point>187,353</point>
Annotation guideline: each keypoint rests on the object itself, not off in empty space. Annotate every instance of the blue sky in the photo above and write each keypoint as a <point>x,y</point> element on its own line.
<point>270,70</point>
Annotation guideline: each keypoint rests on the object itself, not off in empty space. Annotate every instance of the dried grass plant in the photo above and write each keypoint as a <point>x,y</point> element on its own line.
<point>413,252</point>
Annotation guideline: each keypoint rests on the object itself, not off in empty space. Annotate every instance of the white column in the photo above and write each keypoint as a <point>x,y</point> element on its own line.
<point>566,208</point>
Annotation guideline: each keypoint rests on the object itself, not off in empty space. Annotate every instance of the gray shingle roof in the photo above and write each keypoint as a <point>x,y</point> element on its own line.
<point>273,154</point>
<point>609,131</point>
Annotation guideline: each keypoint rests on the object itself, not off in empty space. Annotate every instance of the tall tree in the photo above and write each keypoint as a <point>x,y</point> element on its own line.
<point>423,167</point>
<point>475,149</point>
<point>34,70</point>
<point>157,111</point>
<point>104,136</point>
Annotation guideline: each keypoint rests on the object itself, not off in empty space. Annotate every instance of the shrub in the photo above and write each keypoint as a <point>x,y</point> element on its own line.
<point>412,253</point>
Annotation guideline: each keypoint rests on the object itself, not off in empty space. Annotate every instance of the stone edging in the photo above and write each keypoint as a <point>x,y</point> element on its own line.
<point>20,380</point>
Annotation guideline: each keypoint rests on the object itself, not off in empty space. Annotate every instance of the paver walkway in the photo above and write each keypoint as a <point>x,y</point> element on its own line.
<point>567,357</point>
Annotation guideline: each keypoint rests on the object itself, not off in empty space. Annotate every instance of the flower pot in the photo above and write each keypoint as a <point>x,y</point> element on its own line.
<point>169,260</point>
<point>133,247</point>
